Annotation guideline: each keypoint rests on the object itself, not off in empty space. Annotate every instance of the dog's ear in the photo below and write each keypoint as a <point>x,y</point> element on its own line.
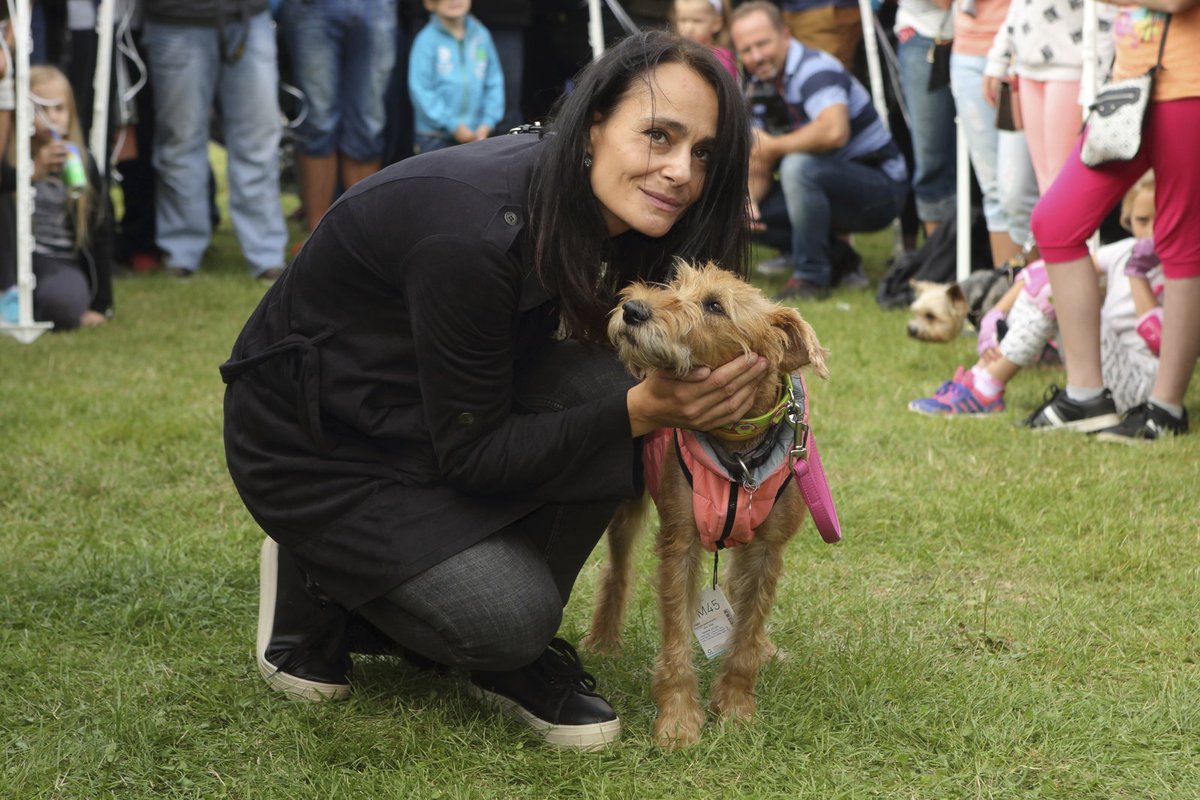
<point>957,298</point>
<point>801,347</point>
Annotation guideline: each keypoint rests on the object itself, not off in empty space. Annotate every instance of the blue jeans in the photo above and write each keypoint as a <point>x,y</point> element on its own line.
<point>188,73</point>
<point>342,53</point>
<point>932,121</point>
<point>1000,158</point>
<point>827,196</point>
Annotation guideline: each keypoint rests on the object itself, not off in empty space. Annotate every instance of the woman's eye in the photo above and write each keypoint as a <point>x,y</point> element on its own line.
<point>714,307</point>
<point>702,154</point>
<point>657,135</point>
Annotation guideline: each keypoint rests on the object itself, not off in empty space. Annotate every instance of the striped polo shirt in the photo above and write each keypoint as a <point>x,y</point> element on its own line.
<point>811,81</point>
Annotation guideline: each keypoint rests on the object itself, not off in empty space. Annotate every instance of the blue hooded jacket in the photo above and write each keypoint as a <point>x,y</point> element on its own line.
<point>454,82</point>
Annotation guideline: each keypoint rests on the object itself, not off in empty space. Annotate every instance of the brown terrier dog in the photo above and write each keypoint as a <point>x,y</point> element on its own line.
<point>705,317</point>
<point>938,311</point>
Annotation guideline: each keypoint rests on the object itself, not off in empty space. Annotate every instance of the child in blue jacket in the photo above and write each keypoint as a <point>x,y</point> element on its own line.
<point>454,78</point>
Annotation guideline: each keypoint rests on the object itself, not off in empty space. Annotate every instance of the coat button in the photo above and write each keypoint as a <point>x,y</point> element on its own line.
<point>511,217</point>
<point>466,418</point>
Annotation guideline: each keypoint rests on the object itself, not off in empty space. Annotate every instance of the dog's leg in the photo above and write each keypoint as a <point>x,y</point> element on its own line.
<point>609,614</point>
<point>753,578</point>
<point>676,690</point>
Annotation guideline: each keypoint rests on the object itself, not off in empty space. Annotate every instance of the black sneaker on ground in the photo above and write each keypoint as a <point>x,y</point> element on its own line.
<point>1060,412</point>
<point>1145,422</point>
<point>301,642</point>
<point>554,697</point>
<point>800,289</point>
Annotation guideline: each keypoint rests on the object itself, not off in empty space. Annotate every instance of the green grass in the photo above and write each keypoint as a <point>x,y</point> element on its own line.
<point>1010,615</point>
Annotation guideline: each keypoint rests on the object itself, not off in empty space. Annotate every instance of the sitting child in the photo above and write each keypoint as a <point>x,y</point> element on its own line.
<point>1130,323</point>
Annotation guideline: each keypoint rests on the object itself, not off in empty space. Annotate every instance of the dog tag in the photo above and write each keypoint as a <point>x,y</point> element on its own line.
<point>713,625</point>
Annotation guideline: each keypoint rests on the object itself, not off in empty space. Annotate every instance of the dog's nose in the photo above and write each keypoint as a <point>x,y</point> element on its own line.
<point>635,313</point>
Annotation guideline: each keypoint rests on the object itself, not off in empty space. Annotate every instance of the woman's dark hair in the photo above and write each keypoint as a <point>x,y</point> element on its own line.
<point>574,255</point>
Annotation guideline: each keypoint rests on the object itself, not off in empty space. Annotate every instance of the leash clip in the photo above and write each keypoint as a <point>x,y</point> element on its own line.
<point>795,417</point>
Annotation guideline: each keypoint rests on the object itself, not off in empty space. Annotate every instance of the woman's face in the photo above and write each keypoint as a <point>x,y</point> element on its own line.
<point>650,155</point>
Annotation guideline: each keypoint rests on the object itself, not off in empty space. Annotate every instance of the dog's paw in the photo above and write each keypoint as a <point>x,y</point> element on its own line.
<point>730,704</point>
<point>604,643</point>
<point>679,728</point>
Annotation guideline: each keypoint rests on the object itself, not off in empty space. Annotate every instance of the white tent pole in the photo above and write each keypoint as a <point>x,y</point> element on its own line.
<point>872,50</point>
<point>25,330</point>
<point>595,29</point>
<point>963,203</point>
<point>98,138</point>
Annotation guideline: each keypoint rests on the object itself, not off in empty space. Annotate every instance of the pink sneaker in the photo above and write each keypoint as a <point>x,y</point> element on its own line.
<point>958,396</point>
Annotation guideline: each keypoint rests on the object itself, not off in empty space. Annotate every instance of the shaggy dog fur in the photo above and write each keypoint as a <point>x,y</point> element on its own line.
<point>705,317</point>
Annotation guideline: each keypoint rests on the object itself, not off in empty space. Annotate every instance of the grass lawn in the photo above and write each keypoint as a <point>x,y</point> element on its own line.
<point>1010,615</point>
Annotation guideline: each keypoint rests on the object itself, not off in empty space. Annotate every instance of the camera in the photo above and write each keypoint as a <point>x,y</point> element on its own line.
<point>767,108</point>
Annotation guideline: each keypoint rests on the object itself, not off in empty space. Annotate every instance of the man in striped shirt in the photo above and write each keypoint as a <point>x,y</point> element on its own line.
<point>838,168</point>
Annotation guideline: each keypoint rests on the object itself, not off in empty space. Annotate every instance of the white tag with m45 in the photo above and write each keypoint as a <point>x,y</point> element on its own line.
<point>713,624</point>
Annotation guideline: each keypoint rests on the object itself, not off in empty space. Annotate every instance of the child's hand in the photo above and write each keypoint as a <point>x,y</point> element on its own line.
<point>463,134</point>
<point>49,159</point>
<point>482,132</point>
<point>989,337</point>
<point>1142,259</point>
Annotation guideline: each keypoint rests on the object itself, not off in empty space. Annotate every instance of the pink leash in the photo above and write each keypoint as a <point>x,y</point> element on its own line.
<point>806,464</point>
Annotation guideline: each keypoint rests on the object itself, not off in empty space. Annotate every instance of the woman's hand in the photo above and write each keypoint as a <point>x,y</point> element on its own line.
<point>702,400</point>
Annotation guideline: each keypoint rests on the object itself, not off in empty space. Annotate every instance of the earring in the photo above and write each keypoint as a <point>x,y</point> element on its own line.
<point>587,161</point>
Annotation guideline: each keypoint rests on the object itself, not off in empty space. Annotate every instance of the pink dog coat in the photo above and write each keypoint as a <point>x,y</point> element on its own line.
<point>727,509</point>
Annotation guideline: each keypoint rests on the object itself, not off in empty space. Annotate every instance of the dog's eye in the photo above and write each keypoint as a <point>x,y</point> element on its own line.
<point>713,306</point>
<point>930,317</point>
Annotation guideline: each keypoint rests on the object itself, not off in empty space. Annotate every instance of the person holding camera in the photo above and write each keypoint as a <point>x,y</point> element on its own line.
<point>839,169</point>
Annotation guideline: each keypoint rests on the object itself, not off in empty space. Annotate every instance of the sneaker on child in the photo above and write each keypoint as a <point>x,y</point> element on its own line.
<point>554,697</point>
<point>959,396</point>
<point>1145,422</point>
<point>1059,412</point>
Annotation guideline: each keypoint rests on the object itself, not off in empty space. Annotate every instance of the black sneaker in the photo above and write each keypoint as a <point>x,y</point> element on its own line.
<point>1060,412</point>
<point>800,289</point>
<point>1145,423</point>
<point>554,697</point>
<point>301,642</point>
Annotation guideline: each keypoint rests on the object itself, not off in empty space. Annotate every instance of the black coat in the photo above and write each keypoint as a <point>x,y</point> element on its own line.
<point>369,420</point>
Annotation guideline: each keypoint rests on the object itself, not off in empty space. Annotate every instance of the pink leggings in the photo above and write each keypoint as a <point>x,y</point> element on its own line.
<point>1051,114</point>
<point>1081,196</point>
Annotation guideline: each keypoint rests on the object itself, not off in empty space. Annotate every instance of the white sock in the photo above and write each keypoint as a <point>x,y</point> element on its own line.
<point>1172,409</point>
<point>985,382</point>
<point>1081,394</point>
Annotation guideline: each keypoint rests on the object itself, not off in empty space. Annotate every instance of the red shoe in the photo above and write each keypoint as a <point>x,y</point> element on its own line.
<point>144,263</point>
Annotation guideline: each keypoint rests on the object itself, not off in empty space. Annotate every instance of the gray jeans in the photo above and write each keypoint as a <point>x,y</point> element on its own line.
<point>497,604</point>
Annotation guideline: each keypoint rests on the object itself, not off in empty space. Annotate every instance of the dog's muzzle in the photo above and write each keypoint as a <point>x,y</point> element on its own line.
<point>634,312</point>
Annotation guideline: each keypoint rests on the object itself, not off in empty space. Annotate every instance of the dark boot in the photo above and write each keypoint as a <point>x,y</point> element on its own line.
<point>554,697</point>
<point>301,647</point>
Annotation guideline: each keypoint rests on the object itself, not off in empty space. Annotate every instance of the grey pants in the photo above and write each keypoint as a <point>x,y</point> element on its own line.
<point>497,604</point>
<point>62,293</point>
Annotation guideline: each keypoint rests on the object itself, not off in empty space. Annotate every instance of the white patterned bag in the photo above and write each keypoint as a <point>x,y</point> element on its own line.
<point>1116,119</point>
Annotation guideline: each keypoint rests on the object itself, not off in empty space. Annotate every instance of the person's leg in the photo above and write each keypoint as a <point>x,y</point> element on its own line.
<point>1062,224</point>
<point>183,63</point>
<point>933,133</point>
<point>61,295</point>
<point>1128,372</point>
<point>368,58</point>
<point>983,144</point>
<point>1176,240</point>
<point>1017,184</point>
<point>249,90</point>
<point>1061,119</point>
<point>315,33</point>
